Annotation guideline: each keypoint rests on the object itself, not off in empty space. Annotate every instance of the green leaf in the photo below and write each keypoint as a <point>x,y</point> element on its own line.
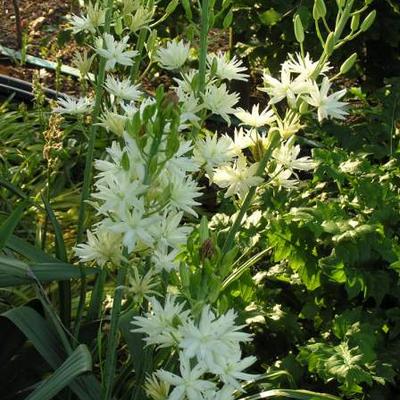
<point>76,364</point>
<point>39,332</point>
<point>8,226</point>
<point>291,394</point>
<point>14,272</point>
<point>25,249</point>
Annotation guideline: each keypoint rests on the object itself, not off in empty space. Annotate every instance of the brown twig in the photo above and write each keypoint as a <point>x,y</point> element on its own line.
<point>18,26</point>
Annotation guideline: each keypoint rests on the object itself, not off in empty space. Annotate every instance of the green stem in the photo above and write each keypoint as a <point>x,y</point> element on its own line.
<point>139,47</point>
<point>341,24</point>
<point>205,9</point>
<point>88,167</point>
<point>111,355</point>
<point>275,137</point>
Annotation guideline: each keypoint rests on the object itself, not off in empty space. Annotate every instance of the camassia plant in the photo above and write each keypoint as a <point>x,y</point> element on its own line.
<point>169,332</point>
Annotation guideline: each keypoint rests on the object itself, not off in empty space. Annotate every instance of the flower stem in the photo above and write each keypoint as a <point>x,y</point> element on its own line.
<point>87,178</point>
<point>111,355</point>
<point>205,10</point>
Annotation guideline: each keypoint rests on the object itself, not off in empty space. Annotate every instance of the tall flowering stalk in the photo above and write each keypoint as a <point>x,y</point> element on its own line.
<point>147,198</point>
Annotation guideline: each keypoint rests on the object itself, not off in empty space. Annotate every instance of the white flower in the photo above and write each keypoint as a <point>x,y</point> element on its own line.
<point>188,385</point>
<point>155,388</point>
<point>115,52</point>
<point>113,122</point>
<point>255,119</point>
<point>118,193</point>
<point>230,70</point>
<point>164,260</point>
<point>102,246</point>
<point>328,106</point>
<point>288,126</point>
<point>286,156</point>
<point>174,55</point>
<point>71,105</point>
<point>231,371</point>
<point>162,323</point>
<point>212,151</point>
<point>169,233</point>
<point>284,88</point>
<point>80,24</point>
<point>142,286</point>
<point>182,194</point>
<point>122,89</point>
<point>134,226</point>
<point>219,101</point>
<point>213,339</point>
<point>281,178</point>
<point>238,179</point>
<point>304,67</point>
<point>83,62</point>
<point>226,393</point>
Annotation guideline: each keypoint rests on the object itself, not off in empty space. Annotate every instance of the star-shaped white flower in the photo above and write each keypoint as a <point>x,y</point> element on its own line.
<point>328,106</point>
<point>115,52</point>
<point>174,55</point>
<point>255,119</point>
<point>238,178</point>
<point>228,69</point>
<point>189,385</point>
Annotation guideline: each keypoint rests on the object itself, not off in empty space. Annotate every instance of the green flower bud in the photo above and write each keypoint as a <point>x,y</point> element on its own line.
<point>341,3</point>
<point>298,29</point>
<point>319,9</point>
<point>348,64</point>
<point>355,22</point>
<point>368,21</point>
<point>303,109</point>
<point>330,44</point>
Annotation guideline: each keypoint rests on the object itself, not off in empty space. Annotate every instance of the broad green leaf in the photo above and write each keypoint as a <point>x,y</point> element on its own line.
<point>25,249</point>
<point>291,394</point>
<point>79,362</point>
<point>39,332</point>
<point>8,226</point>
<point>14,272</point>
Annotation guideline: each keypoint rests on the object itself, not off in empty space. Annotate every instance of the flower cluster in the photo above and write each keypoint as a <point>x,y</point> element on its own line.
<point>211,366</point>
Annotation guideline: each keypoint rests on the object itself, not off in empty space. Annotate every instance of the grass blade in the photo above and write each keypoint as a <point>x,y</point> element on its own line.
<point>8,226</point>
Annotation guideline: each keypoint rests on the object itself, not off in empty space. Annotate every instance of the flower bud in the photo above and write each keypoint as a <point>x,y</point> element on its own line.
<point>303,109</point>
<point>355,22</point>
<point>330,44</point>
<point>319,9</point>
<point>368,21</point>
<point>348,64</point>
<point>298,29</point>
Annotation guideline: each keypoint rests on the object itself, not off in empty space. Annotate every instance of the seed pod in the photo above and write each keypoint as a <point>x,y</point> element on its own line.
<point>298,29</point>
<point>330,44</point>
<point>348,64</point>
<point>319,9</point>
<point>368,21</point>
<point>355,22</point>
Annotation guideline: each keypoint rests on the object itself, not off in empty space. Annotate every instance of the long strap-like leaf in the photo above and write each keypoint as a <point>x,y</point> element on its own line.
<point>39,332</point>
<point>79,362</point>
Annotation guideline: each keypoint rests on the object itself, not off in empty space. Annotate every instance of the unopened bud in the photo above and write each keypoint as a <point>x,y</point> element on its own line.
<point>355,22</point>
<point>298,29</point>
<point>319,9</point>
<point>368,21</point>
<point>348,64</point>
<point>330,44</point>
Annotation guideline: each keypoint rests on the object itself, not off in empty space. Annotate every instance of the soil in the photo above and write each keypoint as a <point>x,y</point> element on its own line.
<point>40,22</point>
